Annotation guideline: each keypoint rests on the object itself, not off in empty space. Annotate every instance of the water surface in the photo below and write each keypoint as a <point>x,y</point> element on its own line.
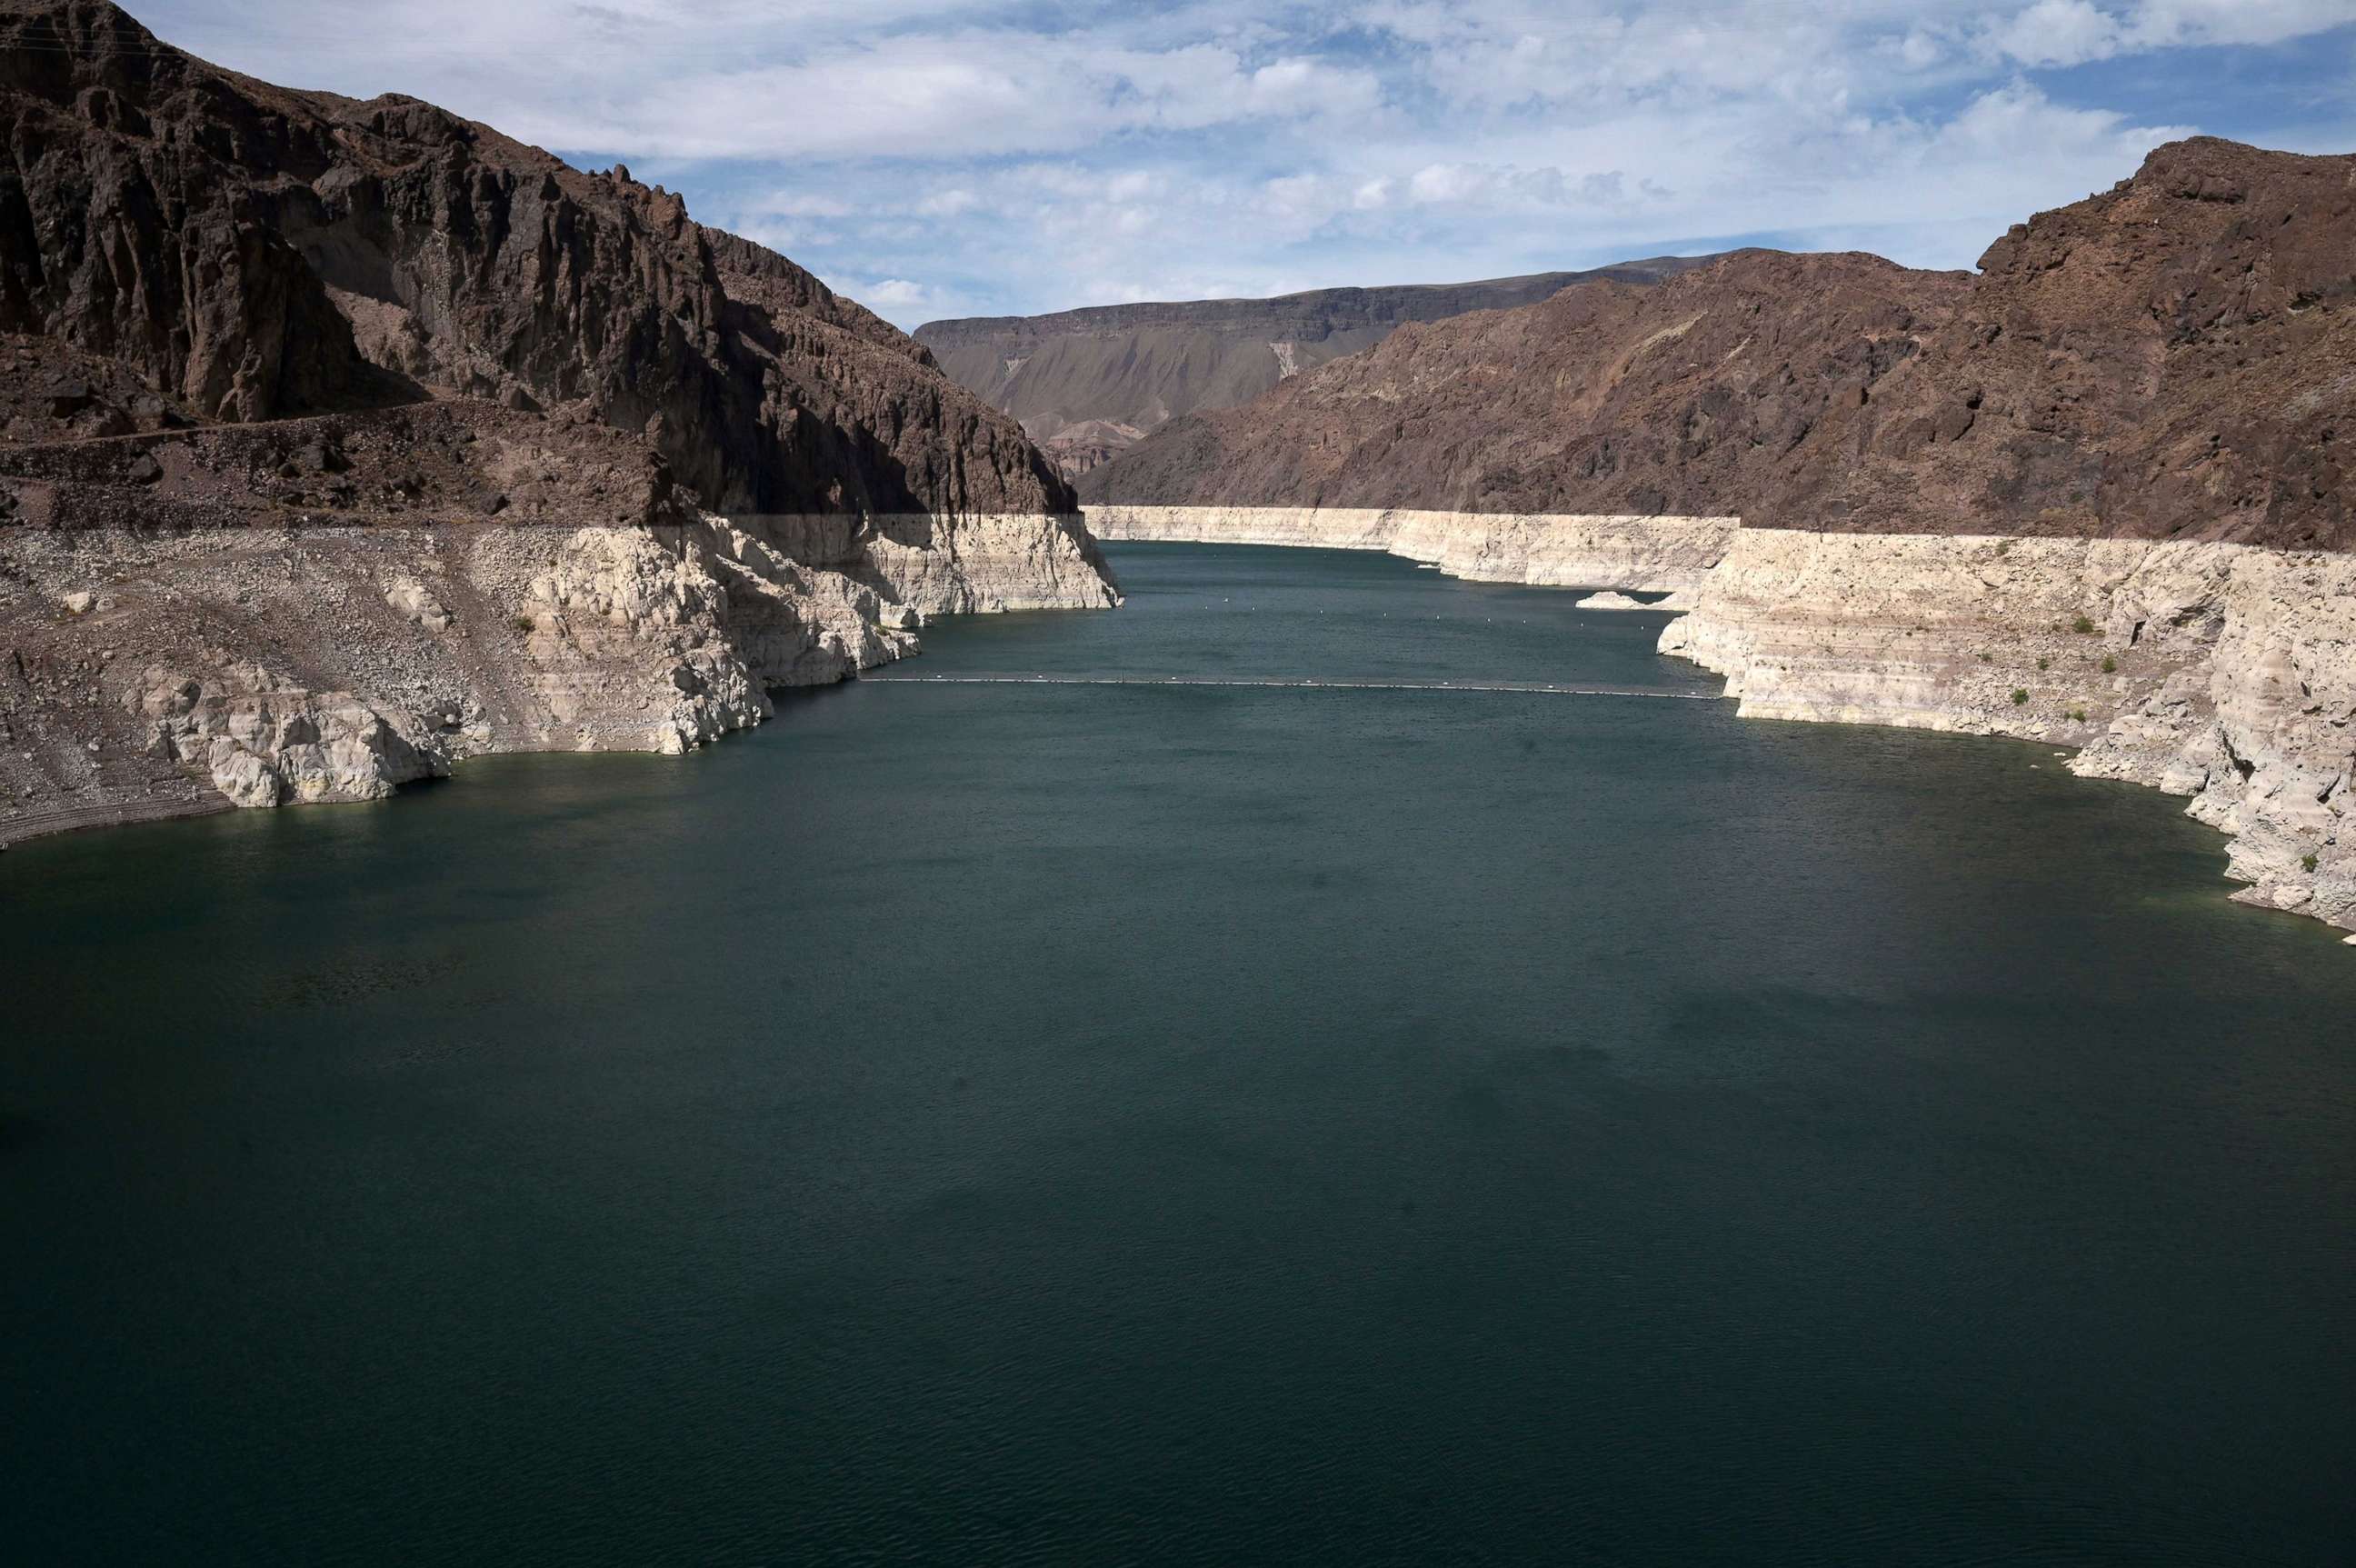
<point>1081,1123</point>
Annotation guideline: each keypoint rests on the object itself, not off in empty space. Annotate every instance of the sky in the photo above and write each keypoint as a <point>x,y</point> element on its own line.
<point>937,157</point>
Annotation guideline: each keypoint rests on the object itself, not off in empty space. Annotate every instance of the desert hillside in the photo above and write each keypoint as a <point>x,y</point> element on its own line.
<point>2167,360</point>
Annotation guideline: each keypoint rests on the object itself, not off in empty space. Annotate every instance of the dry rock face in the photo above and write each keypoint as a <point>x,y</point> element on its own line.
<point>2225,673</point>
<point>1607,398</point>
<point>1089,383</point>
<point>2171,359</point>
<point>335,662</point>
<point>342,440</point>
<point>252,252</point>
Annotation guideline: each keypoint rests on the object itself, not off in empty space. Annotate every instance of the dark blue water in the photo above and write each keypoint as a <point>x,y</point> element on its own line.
<point>1075,1124</point>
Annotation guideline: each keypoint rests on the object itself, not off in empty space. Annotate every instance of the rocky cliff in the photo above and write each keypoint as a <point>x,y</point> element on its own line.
<point>343,440</point>
<point>252,252</point>
<point>2225,673</point>
<point>1088,383</point>
<point>2168,360</point>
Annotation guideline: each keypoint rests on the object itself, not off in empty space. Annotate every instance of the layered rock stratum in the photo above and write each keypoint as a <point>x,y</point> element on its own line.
<point>342,440</point>
<point>1089,383</point>
<point>2094,494</point>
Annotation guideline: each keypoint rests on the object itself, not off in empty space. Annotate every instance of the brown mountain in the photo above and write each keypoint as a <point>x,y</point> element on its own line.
<point>1606,398</point>
<point>243,252</point>
<point>1086,383</point>
<point>2170,359</point>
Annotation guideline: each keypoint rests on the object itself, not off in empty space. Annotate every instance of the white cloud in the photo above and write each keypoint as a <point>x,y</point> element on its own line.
<point>1506,186</point>
<point>892,295</point>
<point>802,204</point>
<point>2057,32</point>
<point>959,95</point>
<point>2072,32</point>
<point>940,157</point>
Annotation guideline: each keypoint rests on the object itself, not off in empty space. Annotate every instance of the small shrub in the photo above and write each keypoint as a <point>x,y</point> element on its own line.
<point>2020,698</point>
<point>2083,627</point>
<point>2078,715</point>
<point>2308,861</point>
<point>1987,658</point>
<point>2110,665</point>
<point>2045,664</point>
<point>525,625</point>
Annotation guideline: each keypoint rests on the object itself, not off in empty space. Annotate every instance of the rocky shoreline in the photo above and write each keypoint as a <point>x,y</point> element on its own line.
<point>341,441</point>
<point>157,675</point>
<point>2221,673</point>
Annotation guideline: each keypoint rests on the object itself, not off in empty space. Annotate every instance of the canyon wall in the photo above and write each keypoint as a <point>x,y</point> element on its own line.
<point>166,672</point>
<point>2223,672</point>
<point>249,252</point>
<point>340,441</point>
<point>1088,383</point>
<point>2168,360</point>
<point>1662,553</point>
<point>1678,399</point>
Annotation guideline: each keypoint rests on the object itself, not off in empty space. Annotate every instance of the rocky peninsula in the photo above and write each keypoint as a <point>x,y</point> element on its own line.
<point>341,441</point>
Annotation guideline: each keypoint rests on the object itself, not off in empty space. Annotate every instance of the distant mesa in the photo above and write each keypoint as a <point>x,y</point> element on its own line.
<point>1086,384</point>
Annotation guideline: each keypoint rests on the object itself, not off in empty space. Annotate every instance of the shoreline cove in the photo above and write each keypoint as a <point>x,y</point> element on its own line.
<point>2223,673</point>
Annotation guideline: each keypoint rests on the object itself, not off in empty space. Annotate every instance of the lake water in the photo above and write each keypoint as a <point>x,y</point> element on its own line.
<point>1082,1123</point>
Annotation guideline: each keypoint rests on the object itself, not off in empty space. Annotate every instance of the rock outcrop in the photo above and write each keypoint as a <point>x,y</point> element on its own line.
<point>334,662</point>
<point>1088,383</point>
<point>323,609</point>
<point>2223,673</point>
<point>342,440</point>
<point>250,252</point>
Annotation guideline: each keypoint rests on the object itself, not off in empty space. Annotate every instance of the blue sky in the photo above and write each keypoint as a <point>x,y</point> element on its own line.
<point>938,157</point>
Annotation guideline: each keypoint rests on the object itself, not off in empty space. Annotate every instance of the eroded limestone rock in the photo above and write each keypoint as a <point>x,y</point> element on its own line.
<point>267,665</point>
<point>264,742</point>
<point>2219,672</point>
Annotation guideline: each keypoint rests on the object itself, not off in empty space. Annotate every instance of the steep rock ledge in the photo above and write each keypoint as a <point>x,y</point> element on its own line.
<point>1654,554</point>
<point>156,674</point>
<point>928,566</point>
<point>2223,673</point>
